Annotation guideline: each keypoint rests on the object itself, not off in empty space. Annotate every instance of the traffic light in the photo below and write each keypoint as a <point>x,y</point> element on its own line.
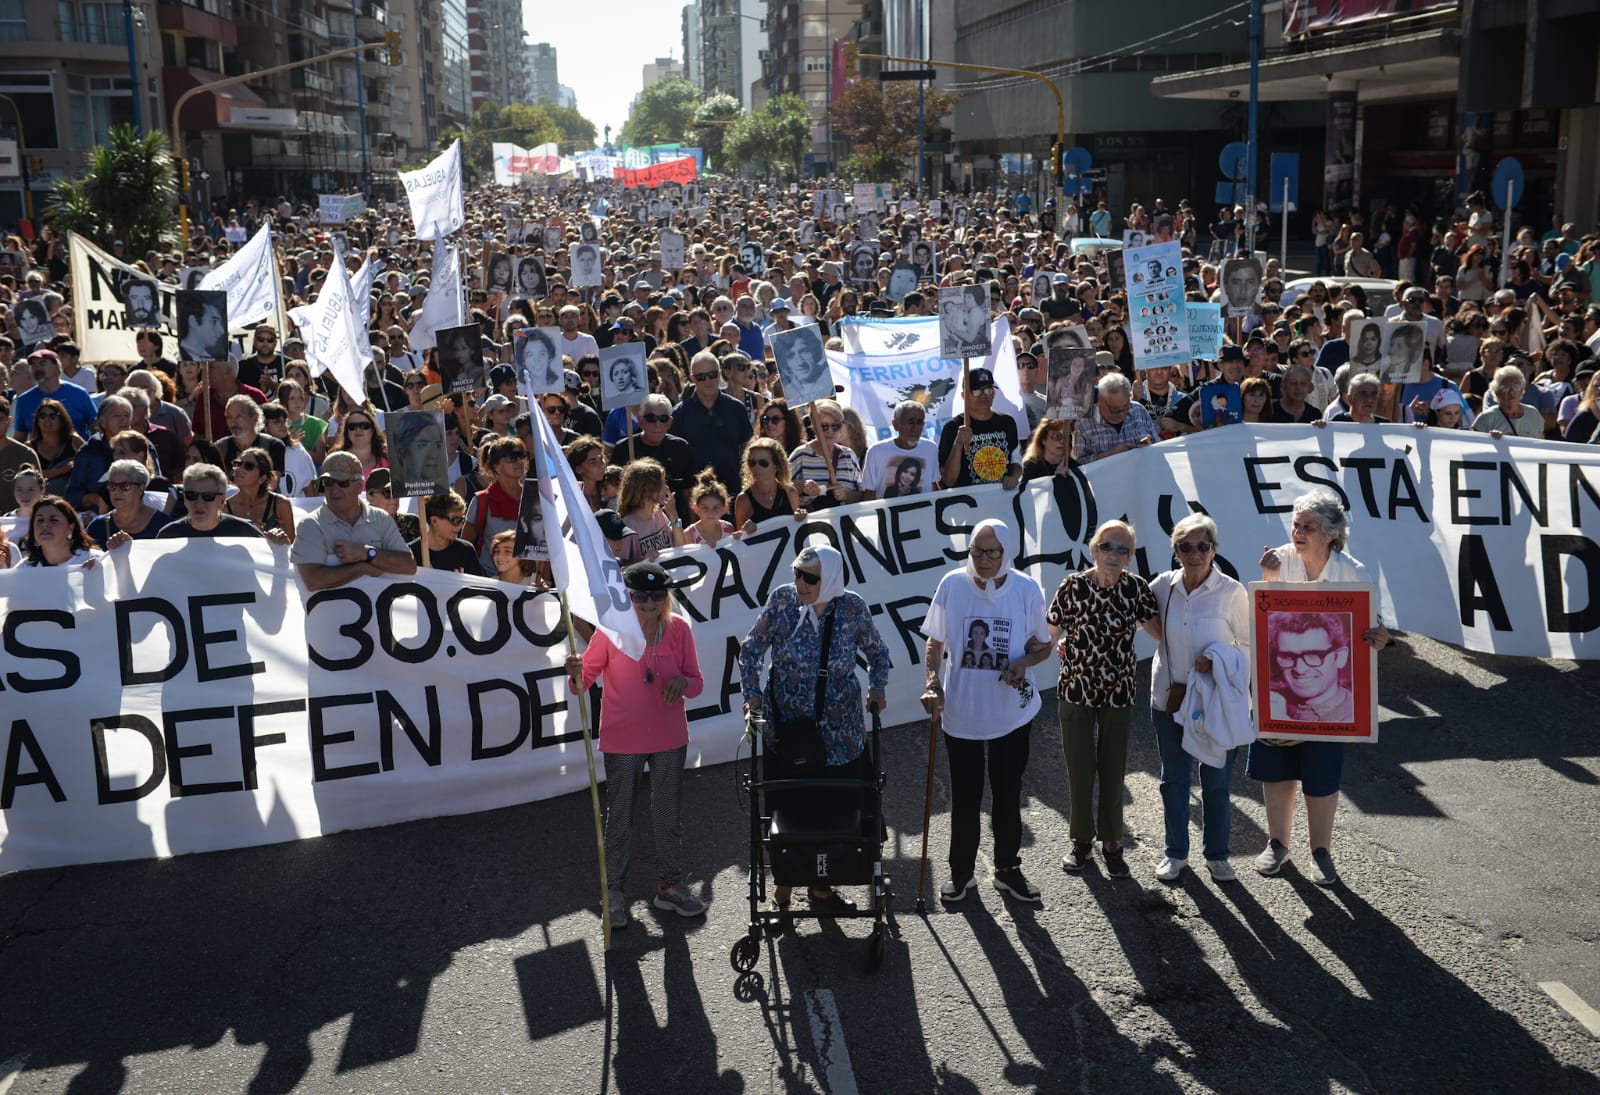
<point>391,39</point>
<point>36,164</point>
<point>1057,167</point>
<point>183,175</point>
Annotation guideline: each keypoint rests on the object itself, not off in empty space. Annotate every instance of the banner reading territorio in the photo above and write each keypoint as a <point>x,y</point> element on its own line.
<point>681,170</point>
<point>191,696</point>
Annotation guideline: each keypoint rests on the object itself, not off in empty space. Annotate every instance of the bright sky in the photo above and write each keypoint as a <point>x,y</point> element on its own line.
<point>602,48</point>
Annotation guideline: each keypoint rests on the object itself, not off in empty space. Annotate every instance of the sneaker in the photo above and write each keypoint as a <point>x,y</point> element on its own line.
<point>679,900</point>
<point>1272,858</point>
<point>1322,870</point>
<point>1116,865</point>
<point>1015,883</point>
<point>1221,870</point>
<point>1170,869</point>
<point>952,891</point>
<point>617,911</point>
<point>1076,859</point>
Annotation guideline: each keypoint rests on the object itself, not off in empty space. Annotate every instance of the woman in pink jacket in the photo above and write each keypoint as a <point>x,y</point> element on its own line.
<point>643,724</point>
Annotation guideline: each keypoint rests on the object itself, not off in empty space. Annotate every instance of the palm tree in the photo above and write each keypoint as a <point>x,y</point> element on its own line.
<point>126,192</point>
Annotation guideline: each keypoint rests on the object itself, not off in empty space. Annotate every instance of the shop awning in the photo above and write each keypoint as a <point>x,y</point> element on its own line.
<point>210,109</point>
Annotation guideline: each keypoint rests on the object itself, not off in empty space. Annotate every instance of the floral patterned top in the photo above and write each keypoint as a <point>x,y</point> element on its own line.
<point>796,652</point>
<point>1097,626</point>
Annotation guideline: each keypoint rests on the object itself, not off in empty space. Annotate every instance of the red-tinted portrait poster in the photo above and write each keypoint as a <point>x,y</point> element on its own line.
<point>1314,679</point>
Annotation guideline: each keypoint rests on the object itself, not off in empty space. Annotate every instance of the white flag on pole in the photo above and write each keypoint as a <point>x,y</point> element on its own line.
<point>251,281</point>
<point>442,307</point>
<point>361,290</point>
<point>437,208</point>
<point>580,561</point>
<point>336,338</point>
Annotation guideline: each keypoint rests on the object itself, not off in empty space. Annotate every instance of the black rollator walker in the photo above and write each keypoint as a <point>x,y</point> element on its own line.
<point>813,832</point>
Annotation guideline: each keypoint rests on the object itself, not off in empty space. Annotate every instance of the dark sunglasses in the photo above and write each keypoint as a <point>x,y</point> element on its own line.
<point>1202,547</point>
<point>415,384</point>
<point>760,463</point>
<point>830,427</point>
<point>553,409</point>
<point>807,577</point>
<point>244,465</point>
<point>49,414</point>
<point>772,419</point>
<point>358,425</point>
<point>647,596</point>
<point>201,495</point>
<point>655,418</point>
<point>456,521</point>
<point>705,376</point>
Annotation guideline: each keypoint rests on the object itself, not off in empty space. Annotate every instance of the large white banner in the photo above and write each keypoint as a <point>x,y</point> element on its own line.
<point>250,278</point>
<point>437,207</point>
<point>444,306</point>
<point>100,324</point>
<point>190,696</point>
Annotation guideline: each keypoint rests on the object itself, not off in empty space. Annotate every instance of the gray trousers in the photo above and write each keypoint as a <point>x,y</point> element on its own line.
<point>624,773</point>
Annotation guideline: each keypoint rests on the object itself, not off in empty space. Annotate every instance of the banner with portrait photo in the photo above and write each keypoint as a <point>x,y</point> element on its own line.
<point>1404,347</point>
<point>586,271</point>
<point>1369,346</point>
<point>1241,286</point>
<point>532,279</point>
<point>1314,679</point>
<point>1158,324</point>
<point>498,271</point>
<point>903,278</point>
<point>624,381</point>
<point>802,364</point>
<point>417,461</point>
<point>964,321</point>
<point>202,324</point>
<point>531,541</point>
<point>99,312</point>
<point>672,249</point>
<point>142,299</point>
<point>863,268</point>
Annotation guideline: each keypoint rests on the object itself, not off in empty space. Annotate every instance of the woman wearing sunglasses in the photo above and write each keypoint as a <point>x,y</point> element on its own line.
<point>255,500</point>
<point>791,626</point>
<point>767,491</point>
<point>1093,617</point>
<point>643,724</point>
<point>826,468</point>
<point>1315,553</point>
<point>1205,618</point>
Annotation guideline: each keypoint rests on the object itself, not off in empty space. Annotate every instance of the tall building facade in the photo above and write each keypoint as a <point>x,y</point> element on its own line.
<point>497,52</point>
<point>545,79</point>
<point>692,68</point>
<point>803,40</point>
<point>732,43</point>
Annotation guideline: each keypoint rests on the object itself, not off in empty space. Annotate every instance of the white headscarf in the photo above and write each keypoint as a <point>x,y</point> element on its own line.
<point>832,566</point>
<point>1002,533</point>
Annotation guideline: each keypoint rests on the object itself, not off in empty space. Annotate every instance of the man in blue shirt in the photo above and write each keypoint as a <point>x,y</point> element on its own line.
<point>715,424</point>
<point>47,384</point>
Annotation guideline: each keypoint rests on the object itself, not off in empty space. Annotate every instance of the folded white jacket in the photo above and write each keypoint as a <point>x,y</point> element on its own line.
<point>1216,708</point>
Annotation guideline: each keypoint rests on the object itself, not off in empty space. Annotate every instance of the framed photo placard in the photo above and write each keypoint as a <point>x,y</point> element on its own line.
<point>1313,678</point>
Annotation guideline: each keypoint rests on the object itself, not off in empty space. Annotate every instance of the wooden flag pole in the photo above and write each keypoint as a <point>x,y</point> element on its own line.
<point>594,786</point>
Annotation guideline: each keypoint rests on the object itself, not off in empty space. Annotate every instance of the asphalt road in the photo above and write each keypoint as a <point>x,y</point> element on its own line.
<point>464,954</point>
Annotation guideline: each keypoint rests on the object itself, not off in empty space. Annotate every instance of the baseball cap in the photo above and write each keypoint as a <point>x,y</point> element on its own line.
<point>647,576</point>
<point>500,374</point>
<point>980,378</point>
<point>342,465</point>
<point>1060,279</point>
<point>1231,353</point>
<point>496,401</point>
<point>1444,397</point>
<point>779,305</point>
<point>379,479</point>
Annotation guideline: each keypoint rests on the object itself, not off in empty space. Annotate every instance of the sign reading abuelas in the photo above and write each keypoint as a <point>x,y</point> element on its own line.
<point>681,170</point>
<point>190,695</point>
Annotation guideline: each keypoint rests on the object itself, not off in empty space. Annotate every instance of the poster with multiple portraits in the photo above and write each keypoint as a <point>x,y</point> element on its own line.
<point>623,379</point>
<point>536,354</point>
<point>802,364</point>
<point>988,643</point>
<point>417,461</point>
<point>202,324</point>
<point>1241,287</point>
<point>1069,373</point>
<point>1393,351</point>
<point>1314,679</point>
<point>1158,325</point>
<point>964,321</point>
<point>460,358</point>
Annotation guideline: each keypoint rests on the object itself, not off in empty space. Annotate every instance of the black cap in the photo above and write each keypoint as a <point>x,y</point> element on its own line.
<point>980,378</point>
<point>647,576</point>
<point>500,374</point>
<point>1231,353</point>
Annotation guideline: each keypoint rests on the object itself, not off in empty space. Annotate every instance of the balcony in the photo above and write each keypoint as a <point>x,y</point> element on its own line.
<point>371,19</point>
<point>310,82</point>
<point>314,25</point>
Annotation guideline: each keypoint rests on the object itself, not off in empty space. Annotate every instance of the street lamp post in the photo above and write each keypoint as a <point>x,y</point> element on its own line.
<point>133,64</point>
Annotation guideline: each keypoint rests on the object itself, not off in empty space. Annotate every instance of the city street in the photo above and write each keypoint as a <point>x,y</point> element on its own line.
<point>464,954</point>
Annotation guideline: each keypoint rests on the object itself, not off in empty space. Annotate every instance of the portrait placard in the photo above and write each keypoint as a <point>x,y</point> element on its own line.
<point>623,380</point>
<point>417,453</point>
<point>1314,679</point>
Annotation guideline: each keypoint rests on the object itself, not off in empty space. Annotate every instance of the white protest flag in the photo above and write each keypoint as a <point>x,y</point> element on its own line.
<point>437,207</point>
<point>336,339</point>
<point>250,278</point>
<point>582,566</point>
<point>1002,362</point>
<point>443,306</point>
<point>361,289</point>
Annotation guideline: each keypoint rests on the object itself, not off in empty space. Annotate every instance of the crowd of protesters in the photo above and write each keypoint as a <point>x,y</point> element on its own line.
<point>94,455</point>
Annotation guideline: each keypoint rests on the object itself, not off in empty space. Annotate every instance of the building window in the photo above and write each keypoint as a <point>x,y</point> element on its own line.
<point>816,62</point>
<point>34,95</point>
<point>95,104</point>
<point>93,23</point>
<point>813,27</point>
<point>13,21</point>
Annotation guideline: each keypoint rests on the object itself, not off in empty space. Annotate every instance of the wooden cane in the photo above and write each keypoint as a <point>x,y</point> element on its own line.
<point>927,812</point>
<point>594,786</point>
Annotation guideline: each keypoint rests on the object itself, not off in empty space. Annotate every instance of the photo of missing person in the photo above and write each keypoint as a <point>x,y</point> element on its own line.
<point>141,301</point>
<point>202,324</point>
<point>531,542</point>
<point>1402,358</point>
<point>585,265</point>
<point>460,358</point>
<point>1368,343</point>
<point>964,321</point>
<point>802,364</point>
<point>905,476</point>
<point>536,351</point>
<point>806,233</point>
<point>497,273</point>
<point>623,380</point>
<point>1070,374</point>
<point>530,280</point>
<point>417,453</point>
<point>1241,287</point>
<point>925,259</point>
<point>864,263</point>
<point>672,251</point>
<point>753,257</point>
<point>33,323</point>
<point>1309,662</point>
<point>867,224</point>
<point>988,643</point>
<point>902,280</point>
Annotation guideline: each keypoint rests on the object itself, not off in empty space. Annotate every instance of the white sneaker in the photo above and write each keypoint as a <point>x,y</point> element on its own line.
<point>678,900</point>
<point>1272,858</point>
<point>1221,870</point>
<point>1170,869</point>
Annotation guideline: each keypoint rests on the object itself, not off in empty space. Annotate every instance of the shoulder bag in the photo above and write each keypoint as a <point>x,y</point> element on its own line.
<point>1175,689</point>
<point>797,742</point>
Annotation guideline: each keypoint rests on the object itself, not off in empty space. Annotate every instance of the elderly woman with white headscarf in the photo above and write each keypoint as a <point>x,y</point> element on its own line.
<point>793,625</point>
<point>991,620</point>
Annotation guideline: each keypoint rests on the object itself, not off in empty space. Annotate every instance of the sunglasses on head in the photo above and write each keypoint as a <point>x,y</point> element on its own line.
<point>201,495</point>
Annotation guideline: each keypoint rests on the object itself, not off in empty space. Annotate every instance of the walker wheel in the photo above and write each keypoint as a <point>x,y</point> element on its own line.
<point>744,954</point>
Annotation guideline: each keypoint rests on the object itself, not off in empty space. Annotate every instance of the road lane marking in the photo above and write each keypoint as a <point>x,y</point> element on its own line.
<point>1570,1002</point>
<point>10,1070</point>
<point>827,1034</point>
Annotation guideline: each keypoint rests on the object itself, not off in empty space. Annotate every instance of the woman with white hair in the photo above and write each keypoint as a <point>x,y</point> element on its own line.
<point>804,624</point>
<point>131,517</point>
<point>992,620</point>
<point>1509,414</point>
<point>1199,607</point>
<point>1315,553</point>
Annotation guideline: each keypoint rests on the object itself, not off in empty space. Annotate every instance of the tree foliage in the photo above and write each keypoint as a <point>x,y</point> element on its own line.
<point>711,122</point>
<point>774,137</point>
<point>881,122</point>
<point>577,132</point>
<point>661,113</point>
<point>125,193</point>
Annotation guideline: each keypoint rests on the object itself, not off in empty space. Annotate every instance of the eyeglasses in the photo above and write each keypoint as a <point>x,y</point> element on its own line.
<point>1202,547</point>
<point>772,419</point>
<point>830,427</point>
<point>1115,549</point>
<point>358,425</point>
<point>705,376</point>
<point>1312,659</point>
<point>760,463</point>
<point>457,519</point>
<point>115,487</point>
<point>342,484</point>
<point>514,458</point>
<point>987,553</point>
<point>987,389</point>
<point>201,495</point>
<point>555,409</point>
<point>647,596</point>
<point>49,414</point>
<point>655,418</point>
<point>808,577</point>
<point>243,465</point>
<point>414,384</point>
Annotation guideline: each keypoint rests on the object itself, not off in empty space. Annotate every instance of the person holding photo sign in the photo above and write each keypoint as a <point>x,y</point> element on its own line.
<point>1315,553</point>
<point>977,446</point>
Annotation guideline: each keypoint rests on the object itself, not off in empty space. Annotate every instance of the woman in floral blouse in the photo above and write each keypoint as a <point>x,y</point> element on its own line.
<point>1093,616</point>
<point>791,625</point>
